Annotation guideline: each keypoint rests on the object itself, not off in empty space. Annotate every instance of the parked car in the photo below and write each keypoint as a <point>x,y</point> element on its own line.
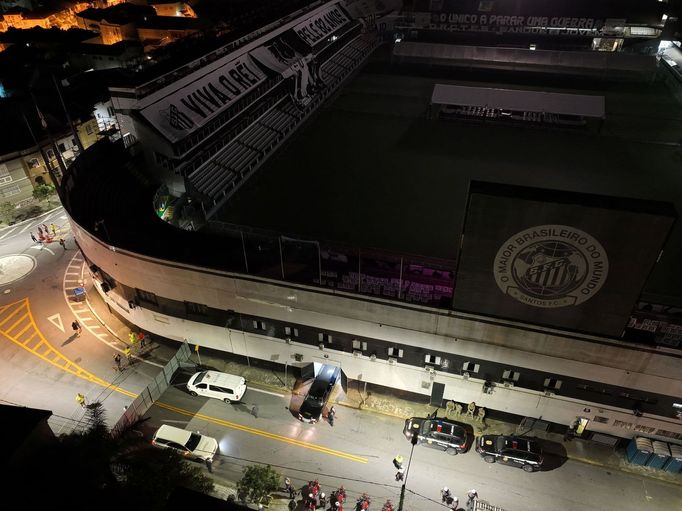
<point>442,434</point>
<point>226,387</point>
<point>511,450</point>
<point>188,443</point>
<point>319,392</point>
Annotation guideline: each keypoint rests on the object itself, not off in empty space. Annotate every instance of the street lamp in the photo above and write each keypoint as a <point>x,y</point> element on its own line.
<point>414,439</point>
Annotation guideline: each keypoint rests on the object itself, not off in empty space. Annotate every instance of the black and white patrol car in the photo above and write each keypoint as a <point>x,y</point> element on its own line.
<point>510,450</point>
<point>443,434</point>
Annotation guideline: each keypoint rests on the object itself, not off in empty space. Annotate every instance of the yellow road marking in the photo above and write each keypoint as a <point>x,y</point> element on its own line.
<point>45,351</point>
<point>12,314</point>
<point>266,434</point>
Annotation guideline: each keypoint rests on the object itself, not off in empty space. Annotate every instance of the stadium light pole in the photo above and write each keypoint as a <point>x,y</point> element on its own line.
<point>413,440</point>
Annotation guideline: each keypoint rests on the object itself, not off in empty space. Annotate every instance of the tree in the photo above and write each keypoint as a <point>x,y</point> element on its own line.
<point>106,471</point>
<point>43,192</point>
<point>7,210</point>
<point>258,482</point>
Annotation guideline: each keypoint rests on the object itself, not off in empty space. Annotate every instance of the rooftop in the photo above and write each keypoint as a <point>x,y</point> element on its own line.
<point>371,170</point>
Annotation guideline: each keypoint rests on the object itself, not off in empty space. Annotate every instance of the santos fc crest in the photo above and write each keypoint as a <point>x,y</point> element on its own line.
<point>551,266</point>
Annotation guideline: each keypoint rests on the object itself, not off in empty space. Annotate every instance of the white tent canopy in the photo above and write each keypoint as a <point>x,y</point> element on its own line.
<point>519,100</point>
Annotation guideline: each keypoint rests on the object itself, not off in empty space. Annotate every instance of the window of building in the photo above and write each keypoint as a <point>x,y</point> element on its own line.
<point>322,337</point>
<point>509,375</point>
<point>432,359</point>
<point>146,296</point>
<point>289,331</point>
<point>395,352</point>
<point>621,424</point>
<point>110,111</point>
<point>4,174</point>
<point>61,147</point>
<point>50,154</point>
<point>196,308</point>
<point>639,428</point>
<point>259,325</point>
<point>552,384</point>
<point>359,345</point>
<point>470,367</point>
<point>8,191</point>
<point>600,419</point>
<point>88,129</point>
<point>34,163</point>
<point>669,434</point>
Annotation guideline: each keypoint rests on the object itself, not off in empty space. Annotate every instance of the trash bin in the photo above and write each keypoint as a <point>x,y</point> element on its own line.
<point>639,450</point>
<point>660,456</point>
<point>674,463</point>
<point>79,294</point>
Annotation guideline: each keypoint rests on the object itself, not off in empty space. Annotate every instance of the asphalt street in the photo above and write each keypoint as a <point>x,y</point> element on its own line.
<point>375,439</point>
<point>43,364</point>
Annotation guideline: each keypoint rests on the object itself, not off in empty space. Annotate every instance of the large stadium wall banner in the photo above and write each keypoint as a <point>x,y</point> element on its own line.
<point>193,105</point>
<point>314,29</point>
<point>552,25</point>
<point>560,259</point>
<point>556,13</point>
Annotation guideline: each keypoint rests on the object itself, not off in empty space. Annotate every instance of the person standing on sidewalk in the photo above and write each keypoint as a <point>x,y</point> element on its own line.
<point>62,243</point>
<point>472,496</point>
<point>77,328</point>
<point>35,240</point>
<point>330,415</point>
<point>129,355</point>
<point>117,360</point>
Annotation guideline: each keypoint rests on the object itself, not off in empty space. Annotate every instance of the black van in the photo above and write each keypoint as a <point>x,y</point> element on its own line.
<point>516,451</point>
<point>442,434</point>
<point>314,402</point>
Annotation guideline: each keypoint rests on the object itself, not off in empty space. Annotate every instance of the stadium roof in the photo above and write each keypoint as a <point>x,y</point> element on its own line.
<point>520,100</point>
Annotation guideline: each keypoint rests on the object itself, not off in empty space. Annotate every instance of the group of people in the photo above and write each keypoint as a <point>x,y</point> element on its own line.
<point>314,498</point>
<point>453,502</point>
<point>44,235</point>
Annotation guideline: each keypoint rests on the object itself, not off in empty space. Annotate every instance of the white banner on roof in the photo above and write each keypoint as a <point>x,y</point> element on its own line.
<point>192,106</point>
<point>316,28</point>
<point>276,54</point>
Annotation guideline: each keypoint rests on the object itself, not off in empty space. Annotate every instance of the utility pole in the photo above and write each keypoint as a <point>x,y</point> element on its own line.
<point>413,440</point>
<point>81,149</point>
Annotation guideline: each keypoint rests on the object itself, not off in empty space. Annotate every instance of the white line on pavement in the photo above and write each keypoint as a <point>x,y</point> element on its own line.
<point>43,248</point>
<point>267,392</point>
<point>7,234</point>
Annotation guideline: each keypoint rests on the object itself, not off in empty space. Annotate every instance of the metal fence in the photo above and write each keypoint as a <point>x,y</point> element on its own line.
<point>153,391</point>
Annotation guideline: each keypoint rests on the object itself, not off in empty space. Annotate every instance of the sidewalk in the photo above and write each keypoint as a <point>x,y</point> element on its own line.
<point>580,450</point>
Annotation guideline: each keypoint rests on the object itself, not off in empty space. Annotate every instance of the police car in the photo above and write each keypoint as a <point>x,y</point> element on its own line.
<point>516,451</point>
<point>442,434</point>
